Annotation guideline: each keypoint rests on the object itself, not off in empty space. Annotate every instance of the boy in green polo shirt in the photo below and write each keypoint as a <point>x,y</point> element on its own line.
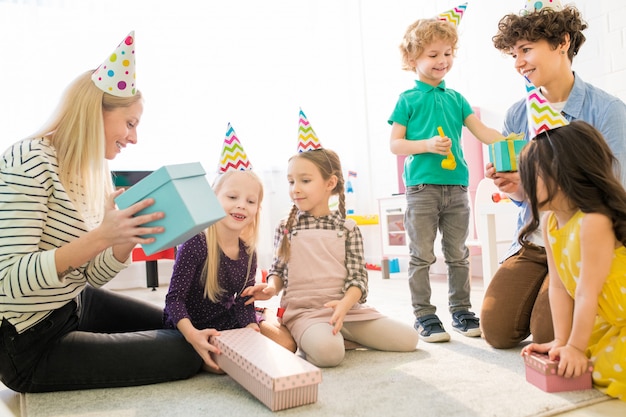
<point>426,126</point>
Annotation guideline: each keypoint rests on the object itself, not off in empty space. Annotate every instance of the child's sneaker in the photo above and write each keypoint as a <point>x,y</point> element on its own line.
<point>466,323</point>
<point>431,329</point>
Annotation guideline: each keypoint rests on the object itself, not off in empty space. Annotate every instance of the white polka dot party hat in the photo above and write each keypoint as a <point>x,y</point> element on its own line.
<point>536,5</point>
<point>116,75</point>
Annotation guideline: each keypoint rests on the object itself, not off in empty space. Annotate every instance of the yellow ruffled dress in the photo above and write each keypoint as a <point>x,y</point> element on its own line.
<point>607,346</point>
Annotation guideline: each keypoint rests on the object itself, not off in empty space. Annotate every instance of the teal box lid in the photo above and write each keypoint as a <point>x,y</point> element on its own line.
<point>182,192</point>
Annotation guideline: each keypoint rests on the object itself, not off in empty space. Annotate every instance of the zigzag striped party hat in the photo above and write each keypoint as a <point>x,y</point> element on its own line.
<point>307,139</point>
<point>454,15</point>
<point>233,156</point>
<point>541,115</point>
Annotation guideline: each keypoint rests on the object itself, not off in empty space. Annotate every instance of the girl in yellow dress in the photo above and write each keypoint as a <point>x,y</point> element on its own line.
<point>570,174</point>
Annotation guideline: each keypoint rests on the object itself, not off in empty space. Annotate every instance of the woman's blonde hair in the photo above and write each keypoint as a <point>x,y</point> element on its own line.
<point>76,131</point>
<point>249,235</point>
<point>422,33</point>
<point>328,163</point>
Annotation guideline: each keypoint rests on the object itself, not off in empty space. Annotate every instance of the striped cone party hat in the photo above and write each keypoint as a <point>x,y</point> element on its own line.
<point>307,139</point>
<point>116,75</point>
<point>233,155</point>
<point>454,15</point>
<point>541,115</point>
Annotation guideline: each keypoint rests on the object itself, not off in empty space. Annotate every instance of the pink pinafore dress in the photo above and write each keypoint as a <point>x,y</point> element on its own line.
<point>317,273</point>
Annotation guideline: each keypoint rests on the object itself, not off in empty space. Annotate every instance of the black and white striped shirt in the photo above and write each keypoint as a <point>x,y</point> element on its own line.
<point>36,218</point>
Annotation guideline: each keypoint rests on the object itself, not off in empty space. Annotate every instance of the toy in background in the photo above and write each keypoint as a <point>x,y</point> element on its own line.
<point>350,194</point>
<point>389,266</point>
<point>500,198</point>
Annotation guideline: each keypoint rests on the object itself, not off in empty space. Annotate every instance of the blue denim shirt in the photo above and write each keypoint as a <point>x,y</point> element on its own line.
<point>605,112</point>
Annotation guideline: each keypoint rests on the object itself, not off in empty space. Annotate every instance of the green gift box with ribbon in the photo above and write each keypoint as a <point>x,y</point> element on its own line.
<point>504,154</point>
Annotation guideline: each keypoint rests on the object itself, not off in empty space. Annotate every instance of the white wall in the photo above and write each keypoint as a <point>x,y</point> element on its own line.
<point>202,64</point>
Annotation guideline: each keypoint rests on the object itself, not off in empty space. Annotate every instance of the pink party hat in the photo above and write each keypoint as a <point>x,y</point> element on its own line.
<point>541,115</point>
<point>454,15</point>
<point>307,139</point>
<point>536,5</point>
<point>233,156</point>
<point>116,75</point>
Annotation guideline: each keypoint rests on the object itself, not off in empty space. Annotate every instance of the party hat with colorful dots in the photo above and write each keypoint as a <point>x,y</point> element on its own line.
<point>536,5</point>
<point>454,15</point>
<point>307,139</point>
<point>541,115</point>
<point>233,156</point>
<point>116,75</point>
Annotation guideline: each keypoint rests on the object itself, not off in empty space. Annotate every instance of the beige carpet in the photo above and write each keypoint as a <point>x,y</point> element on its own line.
<point>464,377</point>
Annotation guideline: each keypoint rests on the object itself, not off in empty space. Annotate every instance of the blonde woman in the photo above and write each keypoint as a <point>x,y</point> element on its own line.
<point>63,238</point>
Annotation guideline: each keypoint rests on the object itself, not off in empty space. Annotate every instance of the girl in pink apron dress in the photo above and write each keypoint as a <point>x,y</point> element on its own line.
<point>320,265</point>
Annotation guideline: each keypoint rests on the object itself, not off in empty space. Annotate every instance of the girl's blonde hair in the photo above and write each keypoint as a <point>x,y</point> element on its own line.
<point>422,33</point>
<point>76,131</point>
<point>328,163</point>
<point>249,235</point>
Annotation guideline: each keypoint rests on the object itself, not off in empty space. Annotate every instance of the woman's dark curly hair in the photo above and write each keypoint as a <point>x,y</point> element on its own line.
<point>546,24</point>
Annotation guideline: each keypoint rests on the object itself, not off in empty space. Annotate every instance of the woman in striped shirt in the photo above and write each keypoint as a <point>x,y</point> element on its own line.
<point>62,239</point>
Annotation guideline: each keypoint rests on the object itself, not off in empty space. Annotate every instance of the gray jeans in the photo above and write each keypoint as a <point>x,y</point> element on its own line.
<point>444,208</point>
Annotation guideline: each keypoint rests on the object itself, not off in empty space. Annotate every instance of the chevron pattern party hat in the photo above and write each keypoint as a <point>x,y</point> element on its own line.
<point>233,156</point>
<point>541,115</point>
<point>307,139</point>
<point>536,5</point>
<point>454,15</point>
<point>116,75</point>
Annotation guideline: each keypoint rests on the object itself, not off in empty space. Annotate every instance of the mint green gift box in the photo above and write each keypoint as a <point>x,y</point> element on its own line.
<point>504,154</point>
<point>181,192</point>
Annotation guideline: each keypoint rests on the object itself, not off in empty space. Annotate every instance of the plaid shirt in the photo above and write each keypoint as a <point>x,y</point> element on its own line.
<point>355,261</point>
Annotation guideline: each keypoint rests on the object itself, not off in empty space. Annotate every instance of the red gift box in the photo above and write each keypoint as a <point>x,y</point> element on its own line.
<point>274,375</point>
<point>542,372</point>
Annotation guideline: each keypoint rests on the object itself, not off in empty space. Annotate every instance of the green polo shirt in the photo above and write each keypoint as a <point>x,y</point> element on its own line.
<point>421,110</point>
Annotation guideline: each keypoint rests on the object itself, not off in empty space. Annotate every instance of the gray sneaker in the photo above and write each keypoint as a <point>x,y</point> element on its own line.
<point>466,323</point>
<point>431,329</point>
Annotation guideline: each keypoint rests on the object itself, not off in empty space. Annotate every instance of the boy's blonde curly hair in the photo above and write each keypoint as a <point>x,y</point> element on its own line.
<point>422,33</point>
